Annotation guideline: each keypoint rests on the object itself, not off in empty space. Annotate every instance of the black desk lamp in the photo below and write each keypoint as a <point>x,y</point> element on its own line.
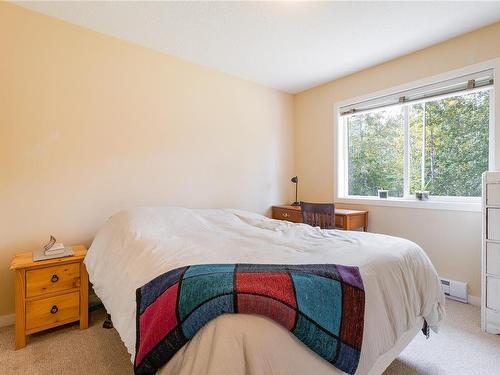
<point>295,180</point>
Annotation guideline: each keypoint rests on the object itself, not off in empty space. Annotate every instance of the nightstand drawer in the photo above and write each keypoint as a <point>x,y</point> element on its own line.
<point>52,279</point>
<point>52,311</point>
<point>294,216</point>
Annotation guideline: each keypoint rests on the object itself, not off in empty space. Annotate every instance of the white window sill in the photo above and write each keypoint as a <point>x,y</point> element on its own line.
<point>432,204</point>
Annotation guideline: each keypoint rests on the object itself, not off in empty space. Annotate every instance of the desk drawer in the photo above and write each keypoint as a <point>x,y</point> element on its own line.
<point>53,310</point>
<point>52,279</point>
<point>340,221</point>
<point>294,216</point>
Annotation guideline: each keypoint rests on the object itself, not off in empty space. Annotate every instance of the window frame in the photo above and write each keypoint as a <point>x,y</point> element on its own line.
<point>435,202</point>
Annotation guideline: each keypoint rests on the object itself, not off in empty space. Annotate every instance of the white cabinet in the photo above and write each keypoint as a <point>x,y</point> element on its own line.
<point>490,254</point>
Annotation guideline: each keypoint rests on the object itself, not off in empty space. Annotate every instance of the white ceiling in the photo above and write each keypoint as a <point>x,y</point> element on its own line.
<point>291,46</point>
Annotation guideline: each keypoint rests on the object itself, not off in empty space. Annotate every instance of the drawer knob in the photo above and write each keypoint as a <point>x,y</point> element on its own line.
<point>285,214</point>
<point>54,309</point>
<point>54,278</point>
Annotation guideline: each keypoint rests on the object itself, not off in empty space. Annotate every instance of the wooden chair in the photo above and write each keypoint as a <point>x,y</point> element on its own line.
<point>318,214</point>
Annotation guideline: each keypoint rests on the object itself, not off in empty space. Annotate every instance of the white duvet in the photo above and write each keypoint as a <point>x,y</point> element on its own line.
<point>401,285</point>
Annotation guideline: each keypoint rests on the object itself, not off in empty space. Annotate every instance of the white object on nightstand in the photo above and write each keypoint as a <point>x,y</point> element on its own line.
<point>56,248</point>
<point>490,254</point>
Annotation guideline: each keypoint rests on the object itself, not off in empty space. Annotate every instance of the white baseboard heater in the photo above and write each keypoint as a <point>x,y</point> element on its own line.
<point>453,289</point>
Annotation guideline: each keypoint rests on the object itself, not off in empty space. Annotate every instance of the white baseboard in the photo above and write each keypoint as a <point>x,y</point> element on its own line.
<point>473,300</point>
<point>7,320</point>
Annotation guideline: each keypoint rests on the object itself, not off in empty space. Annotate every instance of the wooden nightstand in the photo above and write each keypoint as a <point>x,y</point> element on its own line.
<point>49,293</point>
<point>344,219</point>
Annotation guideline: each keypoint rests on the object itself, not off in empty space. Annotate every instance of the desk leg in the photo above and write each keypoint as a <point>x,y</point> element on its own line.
<point>365,228</point>
<point>20,309</point>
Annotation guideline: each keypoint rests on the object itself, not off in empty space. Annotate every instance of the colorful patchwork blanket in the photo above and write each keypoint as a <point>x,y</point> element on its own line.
<point>322,304</point>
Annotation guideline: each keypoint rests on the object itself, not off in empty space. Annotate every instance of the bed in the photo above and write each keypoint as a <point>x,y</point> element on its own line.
<point>401,286</point>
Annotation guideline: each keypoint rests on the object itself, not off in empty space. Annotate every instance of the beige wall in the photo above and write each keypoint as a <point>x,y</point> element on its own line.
<point>452,239</point>
<point>90,125</point>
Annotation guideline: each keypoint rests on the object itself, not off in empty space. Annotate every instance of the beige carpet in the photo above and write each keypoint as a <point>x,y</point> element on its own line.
<point>66,350</point>
<point>460,348</point>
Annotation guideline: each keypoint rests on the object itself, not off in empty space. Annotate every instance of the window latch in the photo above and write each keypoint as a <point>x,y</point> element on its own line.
<point>349,112</point>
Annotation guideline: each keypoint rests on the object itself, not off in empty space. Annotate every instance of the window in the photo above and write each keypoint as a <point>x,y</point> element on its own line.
<point>449,145</point>
<point>434,138</point>
<point>375,152</point>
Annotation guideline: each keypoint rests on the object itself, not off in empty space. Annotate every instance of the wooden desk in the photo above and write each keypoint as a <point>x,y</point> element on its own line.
<point>344,219</point>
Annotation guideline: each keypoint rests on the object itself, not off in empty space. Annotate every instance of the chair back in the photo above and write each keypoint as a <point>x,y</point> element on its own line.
<point>318,214</point>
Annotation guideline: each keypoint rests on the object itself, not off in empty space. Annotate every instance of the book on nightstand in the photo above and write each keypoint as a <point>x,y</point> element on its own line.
<point>52,250</point>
